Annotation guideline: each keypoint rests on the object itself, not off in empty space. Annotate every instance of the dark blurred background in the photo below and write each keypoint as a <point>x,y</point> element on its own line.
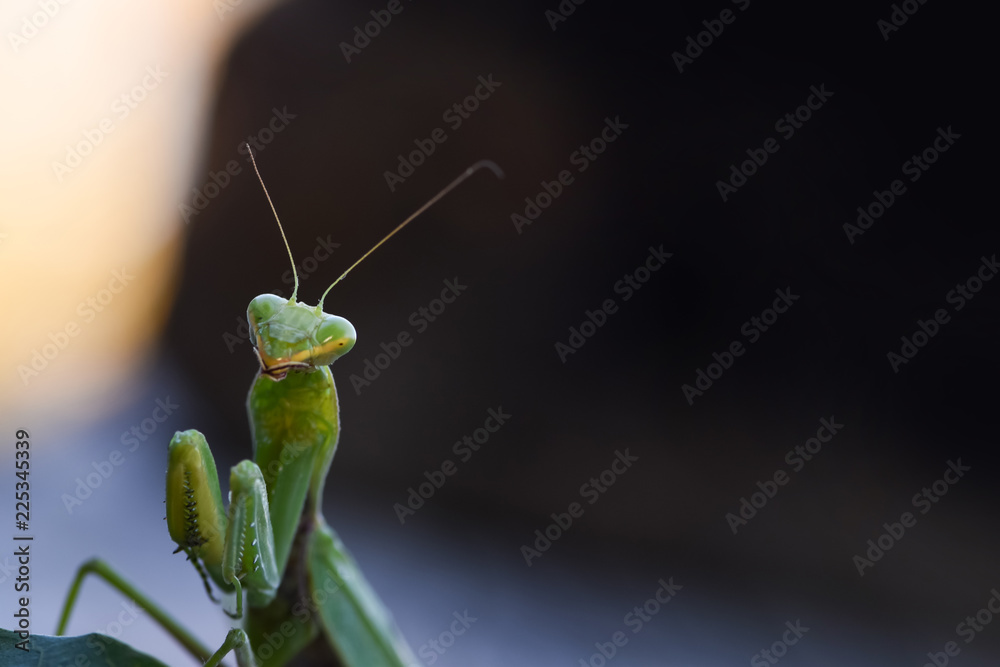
<point>655,185</point>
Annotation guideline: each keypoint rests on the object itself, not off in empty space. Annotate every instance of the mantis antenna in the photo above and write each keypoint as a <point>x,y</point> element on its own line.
<point>295,273</point>
<point>482,164</point>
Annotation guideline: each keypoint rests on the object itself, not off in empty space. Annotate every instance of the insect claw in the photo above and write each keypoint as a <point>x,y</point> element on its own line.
<point>204,578</point>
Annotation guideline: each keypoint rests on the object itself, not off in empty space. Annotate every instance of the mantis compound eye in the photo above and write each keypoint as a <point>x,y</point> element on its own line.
<point>263,308</point>
<point>335,337</point>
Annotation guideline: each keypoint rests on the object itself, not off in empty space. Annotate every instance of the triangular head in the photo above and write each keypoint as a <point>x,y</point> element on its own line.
<point>293,336</point>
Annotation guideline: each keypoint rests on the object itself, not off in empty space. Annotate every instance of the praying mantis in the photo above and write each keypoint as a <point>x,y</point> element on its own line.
<point>297,589</point>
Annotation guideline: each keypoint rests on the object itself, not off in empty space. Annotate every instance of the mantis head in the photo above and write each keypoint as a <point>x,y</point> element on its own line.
<point>293,336</point>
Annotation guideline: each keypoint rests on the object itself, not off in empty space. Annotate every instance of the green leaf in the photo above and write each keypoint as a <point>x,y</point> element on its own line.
<point>93,650</point>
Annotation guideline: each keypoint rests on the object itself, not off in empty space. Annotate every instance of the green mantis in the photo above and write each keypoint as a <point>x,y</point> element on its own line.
<point>291,576</point>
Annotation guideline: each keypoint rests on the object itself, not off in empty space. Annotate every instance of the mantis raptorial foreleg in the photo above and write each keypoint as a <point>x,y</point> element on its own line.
<point>245,557</point>
<point>233,550</point>
<point>236,551</point>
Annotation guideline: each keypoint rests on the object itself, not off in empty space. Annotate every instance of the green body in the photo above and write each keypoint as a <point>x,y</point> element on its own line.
<point>273,545</point>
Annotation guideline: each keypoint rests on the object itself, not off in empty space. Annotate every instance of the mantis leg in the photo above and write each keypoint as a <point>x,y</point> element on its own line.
<point>236,641</point>
<point>235,548</point>
<point>104,571</point>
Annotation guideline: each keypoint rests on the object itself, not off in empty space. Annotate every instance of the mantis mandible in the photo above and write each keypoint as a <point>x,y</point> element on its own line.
<point>290,573</point>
